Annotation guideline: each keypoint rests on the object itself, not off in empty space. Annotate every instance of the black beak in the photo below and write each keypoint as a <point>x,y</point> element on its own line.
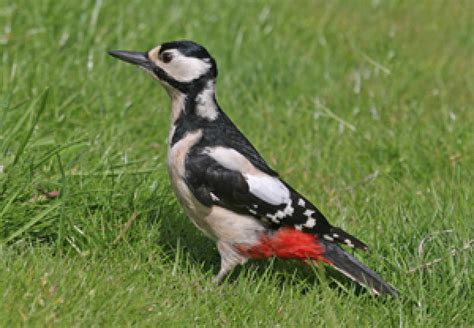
<point>132,57</point>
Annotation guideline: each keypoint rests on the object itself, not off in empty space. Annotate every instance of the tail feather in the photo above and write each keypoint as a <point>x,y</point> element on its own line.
<point>352,268</point>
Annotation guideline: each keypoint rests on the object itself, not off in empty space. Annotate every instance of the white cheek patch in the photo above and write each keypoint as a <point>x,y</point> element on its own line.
<point>185,69</point>
<point>181,68</point>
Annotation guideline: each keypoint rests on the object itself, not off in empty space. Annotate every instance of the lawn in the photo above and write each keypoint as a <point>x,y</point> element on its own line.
<point>366,107</point>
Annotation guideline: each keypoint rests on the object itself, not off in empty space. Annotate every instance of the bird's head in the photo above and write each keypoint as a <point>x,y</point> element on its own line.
<point>183,66</point>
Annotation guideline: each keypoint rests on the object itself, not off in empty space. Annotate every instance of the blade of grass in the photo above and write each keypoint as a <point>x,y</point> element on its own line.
<point>32,126</point>
<point>28,225</point>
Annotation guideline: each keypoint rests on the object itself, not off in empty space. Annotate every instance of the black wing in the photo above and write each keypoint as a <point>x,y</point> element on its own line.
<point>264,197</point>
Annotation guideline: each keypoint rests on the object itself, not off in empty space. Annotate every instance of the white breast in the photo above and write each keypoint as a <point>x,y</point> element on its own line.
<point>176,169</point>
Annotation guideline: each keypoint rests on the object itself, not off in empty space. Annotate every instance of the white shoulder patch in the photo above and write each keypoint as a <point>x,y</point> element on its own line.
<point>267,188</point>
<point>230,159</point>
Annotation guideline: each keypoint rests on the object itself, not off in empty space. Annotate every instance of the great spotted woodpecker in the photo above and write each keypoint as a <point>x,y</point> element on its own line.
<point>224,185</point>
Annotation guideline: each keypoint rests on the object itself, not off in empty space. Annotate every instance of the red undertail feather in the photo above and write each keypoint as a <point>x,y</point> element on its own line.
<point>286,243</point>
<point>289,243</point>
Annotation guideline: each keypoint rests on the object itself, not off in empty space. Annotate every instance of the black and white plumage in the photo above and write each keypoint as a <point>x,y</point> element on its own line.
<point>225,186</point>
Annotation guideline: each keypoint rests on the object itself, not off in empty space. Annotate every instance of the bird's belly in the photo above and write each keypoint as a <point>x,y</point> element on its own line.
<point>234,228</point>
<point>216,222</point>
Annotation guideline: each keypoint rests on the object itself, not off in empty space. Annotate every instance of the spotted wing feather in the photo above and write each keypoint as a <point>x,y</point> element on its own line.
<point>262,196</point>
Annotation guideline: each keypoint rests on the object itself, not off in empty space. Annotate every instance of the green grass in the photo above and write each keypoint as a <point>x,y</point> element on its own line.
<point>364,106</point>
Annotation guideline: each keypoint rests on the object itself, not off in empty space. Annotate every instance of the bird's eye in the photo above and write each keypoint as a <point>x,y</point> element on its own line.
<point>166,57</point>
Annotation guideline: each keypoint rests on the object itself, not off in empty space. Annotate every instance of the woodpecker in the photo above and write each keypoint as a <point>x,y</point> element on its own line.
<point>225,186</point>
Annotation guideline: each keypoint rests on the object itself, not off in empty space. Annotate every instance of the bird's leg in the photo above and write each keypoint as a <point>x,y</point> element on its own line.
<point>229,259</point>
